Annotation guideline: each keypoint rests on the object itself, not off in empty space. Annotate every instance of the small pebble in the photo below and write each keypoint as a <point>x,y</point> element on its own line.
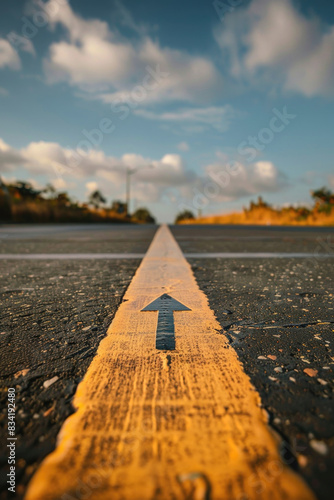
<point>271,356</point>
<point>47,412</point>
<point>310,372</point>
<point>278,369</point>
<point>321,381</point>
<point>292,379</point>
<point>261,357</point>
<point>302,460</point>
<point>319,446</point>
<point>49,382</point>
<point>22,373</point>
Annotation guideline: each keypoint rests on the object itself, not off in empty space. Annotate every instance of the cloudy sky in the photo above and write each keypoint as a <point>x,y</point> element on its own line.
<point>209,104</point>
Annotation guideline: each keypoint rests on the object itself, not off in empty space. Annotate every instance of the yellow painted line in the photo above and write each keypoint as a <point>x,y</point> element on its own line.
<point>154,424</point>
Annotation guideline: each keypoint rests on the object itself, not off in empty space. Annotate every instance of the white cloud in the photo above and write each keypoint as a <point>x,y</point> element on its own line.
<point>246,180</point>
<point>94,58</point>
<point>151,178</point>
<point>8,179</point>
<point>21,43</point>
<point>9,157</point>
<point>183,146</point>
<point>95,61</point>
<point>150,175</point>
<point>91,187</point>
<point>35,184</point>
<point>60,184</point>
<point>218,117</point>
<point>47,157</point>
<point>266,45</point>
<point>8,56</point>
<point>271,40</point>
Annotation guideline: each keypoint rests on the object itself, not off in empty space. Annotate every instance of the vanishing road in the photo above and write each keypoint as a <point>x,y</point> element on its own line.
<point>214,381</point>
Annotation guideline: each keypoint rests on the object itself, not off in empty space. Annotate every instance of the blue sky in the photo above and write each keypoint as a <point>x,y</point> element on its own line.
<point>210,104</point>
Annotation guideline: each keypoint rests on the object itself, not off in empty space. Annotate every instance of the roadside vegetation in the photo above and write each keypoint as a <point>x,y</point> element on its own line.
<point>186,215</point>
<point>21,203</point>
<point>261,213</point>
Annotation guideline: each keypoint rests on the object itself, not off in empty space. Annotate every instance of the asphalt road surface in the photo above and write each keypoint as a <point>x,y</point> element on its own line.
<point>53,316</point>
<point>278,315</point>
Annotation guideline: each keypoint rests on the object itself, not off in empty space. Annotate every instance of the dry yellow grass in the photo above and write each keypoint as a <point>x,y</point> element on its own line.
<point>269,216</point>
<point>49,211</point>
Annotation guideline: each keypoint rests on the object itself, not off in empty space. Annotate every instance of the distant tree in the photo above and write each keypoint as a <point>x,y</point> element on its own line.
<point>5,202</point>
<point>185,215</point>
<point>302,212</point>
<point>260,203</point>
<point>96,199</point>
<point>50,191</point>
<point>23,190</point>
<point>63,199</point>
<point>143,215</point>
<point>323,195</point>
<point>118,206</point>
<point>324,200</point>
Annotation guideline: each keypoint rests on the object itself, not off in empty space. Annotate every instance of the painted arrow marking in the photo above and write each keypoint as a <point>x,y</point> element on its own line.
<point>165,334</point>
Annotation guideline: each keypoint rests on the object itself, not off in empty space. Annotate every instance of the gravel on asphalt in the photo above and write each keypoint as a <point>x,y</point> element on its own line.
<point>279,317</point>
<point>53,317</point>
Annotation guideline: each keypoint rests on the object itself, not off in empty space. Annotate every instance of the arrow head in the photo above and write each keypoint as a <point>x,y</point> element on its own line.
<point>165,301</point>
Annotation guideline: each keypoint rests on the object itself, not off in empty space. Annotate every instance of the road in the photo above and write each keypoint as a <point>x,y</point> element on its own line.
<point>277,314</point>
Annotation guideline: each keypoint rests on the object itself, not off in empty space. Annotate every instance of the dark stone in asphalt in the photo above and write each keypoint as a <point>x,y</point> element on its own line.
<point>282,329</point>
<point>53,317</point>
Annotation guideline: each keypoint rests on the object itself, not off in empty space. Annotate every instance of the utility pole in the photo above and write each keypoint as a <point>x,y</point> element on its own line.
<point>129,172</point>
<point>127,202</point>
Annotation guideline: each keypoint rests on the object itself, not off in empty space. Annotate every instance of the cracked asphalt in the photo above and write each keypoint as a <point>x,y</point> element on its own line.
<point>278,314</point>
